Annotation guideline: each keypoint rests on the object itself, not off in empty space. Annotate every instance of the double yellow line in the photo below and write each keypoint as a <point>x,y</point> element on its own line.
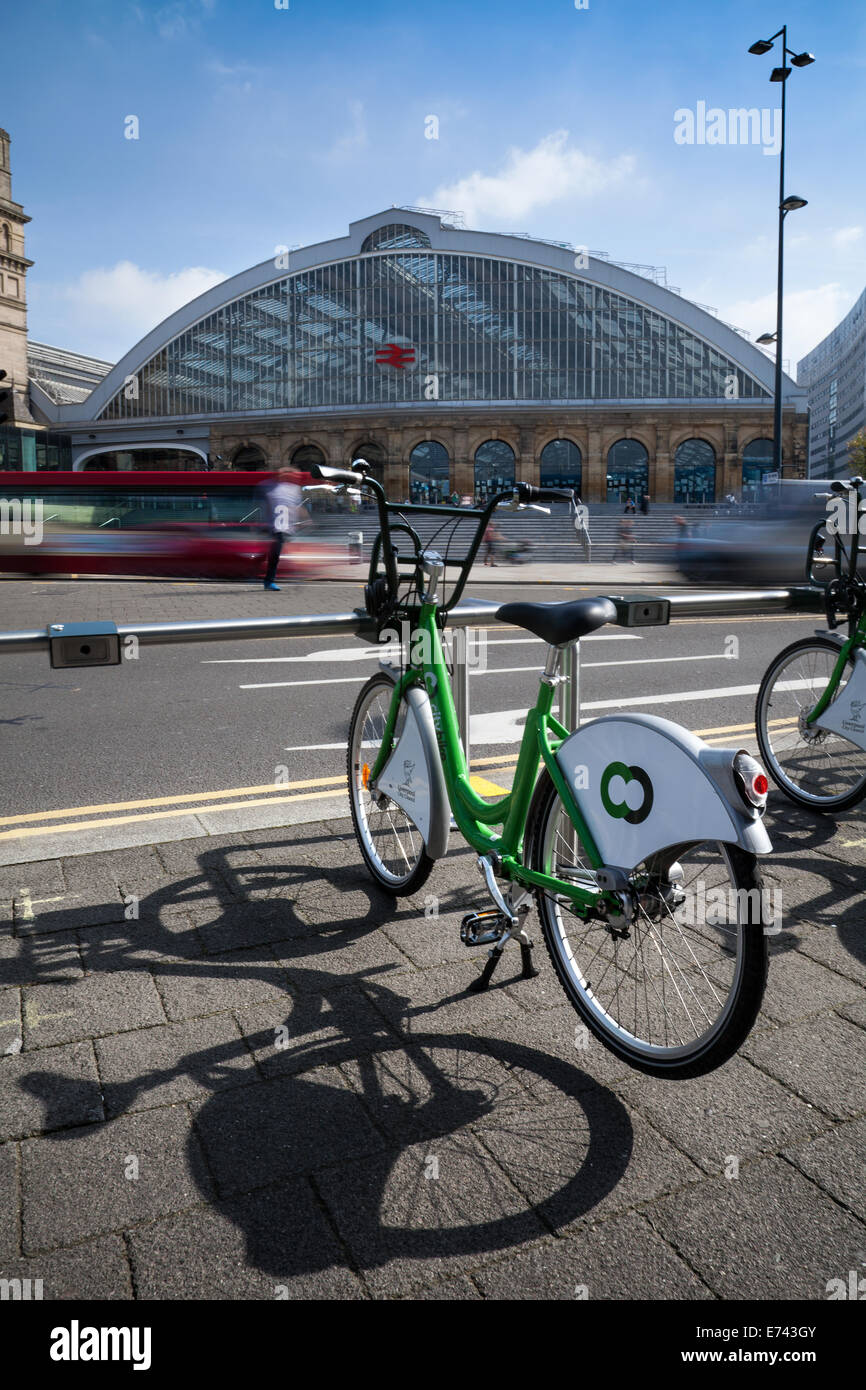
<point>311,789</point>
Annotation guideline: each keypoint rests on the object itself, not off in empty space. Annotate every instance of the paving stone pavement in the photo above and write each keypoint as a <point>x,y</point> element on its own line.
<point>238,1071</point>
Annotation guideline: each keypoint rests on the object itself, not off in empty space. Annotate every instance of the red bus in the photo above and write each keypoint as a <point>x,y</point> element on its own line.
<point>189,525</point>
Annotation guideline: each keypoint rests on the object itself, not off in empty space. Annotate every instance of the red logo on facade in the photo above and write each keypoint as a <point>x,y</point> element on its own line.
<point>393,355</point>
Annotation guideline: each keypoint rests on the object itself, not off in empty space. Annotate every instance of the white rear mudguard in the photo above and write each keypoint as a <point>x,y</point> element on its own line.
<point>413,777</point>
<point>847,714</point>
<point>644,784</point>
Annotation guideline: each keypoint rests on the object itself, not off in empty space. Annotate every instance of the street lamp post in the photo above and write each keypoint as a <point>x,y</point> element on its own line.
<point>786,205</point>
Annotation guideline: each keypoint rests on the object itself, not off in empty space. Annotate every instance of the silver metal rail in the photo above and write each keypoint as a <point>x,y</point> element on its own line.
<point>469,614</point>
<point>472,613</point>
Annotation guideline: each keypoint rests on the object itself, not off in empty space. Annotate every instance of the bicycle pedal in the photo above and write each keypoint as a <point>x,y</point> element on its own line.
<point>483,928</point>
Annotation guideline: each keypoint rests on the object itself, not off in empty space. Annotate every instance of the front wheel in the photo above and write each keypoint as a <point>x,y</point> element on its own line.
<point>813,767</point>
<point>390,842</point>
<point>675,990</point>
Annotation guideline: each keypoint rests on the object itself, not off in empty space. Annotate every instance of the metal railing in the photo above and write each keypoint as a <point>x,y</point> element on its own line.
<point>469,614</point>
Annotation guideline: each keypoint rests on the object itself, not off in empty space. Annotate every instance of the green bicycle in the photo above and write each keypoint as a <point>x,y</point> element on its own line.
<point>637,842</point>
<point>810,714</point>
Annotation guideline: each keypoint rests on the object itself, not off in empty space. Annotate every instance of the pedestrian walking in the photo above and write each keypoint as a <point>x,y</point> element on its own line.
<point>279,499</point>
<point>625,544</point>
<point>492,537</point>
<point>644,503</point>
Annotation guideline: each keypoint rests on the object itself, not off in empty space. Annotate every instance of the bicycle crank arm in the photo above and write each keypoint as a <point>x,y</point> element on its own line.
<point>485,867</point>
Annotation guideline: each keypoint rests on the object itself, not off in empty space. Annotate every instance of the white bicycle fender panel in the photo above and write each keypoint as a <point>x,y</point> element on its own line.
<point>847,714</point>
<point>413,776</point>
<point>644,783</point>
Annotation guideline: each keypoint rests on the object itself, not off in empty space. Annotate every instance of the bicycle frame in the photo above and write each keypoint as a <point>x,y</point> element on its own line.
<point>857,630</point>
<point>857,639</point>
<point>475,816</point>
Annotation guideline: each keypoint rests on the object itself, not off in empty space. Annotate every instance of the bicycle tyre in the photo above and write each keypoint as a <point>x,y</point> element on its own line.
<point>771,753</point>
<point>390,843</point>
<point>599,951</point>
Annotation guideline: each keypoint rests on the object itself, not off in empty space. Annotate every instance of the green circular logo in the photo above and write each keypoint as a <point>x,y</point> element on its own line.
<point>621,810</point>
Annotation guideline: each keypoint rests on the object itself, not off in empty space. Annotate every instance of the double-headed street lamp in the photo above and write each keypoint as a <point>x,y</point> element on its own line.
<point>786,205</point>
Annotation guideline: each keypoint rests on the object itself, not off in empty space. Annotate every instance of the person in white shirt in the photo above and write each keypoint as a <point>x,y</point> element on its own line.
<point>279,500</point>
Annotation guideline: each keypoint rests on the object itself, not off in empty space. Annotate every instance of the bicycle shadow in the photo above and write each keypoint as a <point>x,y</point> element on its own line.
<point>802,843</point>
<point>343,1107</point>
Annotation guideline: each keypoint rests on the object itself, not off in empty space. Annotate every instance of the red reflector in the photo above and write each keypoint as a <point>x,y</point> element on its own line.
<point>760,784</point>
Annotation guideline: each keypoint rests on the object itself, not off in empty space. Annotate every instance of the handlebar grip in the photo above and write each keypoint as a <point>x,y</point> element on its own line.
<point>336,475</point>
<point>527,492</point>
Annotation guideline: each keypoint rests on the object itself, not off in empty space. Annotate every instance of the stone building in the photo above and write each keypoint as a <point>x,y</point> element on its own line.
<point>452,360</point>
<point>14,385</point>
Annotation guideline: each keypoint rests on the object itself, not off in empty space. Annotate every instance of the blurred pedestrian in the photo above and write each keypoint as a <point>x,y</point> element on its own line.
<point>644,502</point>
<point>279,499</point>
<point>625,544</point>
<point>492,537</point>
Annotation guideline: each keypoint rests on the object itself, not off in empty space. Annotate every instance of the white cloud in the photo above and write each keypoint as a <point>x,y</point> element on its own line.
<point>846,236</point>
<point>809,316</point>
<point>105,311</point>
<point>530,179</point>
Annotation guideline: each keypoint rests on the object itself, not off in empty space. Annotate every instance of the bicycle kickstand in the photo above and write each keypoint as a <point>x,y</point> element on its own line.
<point>499,926</point>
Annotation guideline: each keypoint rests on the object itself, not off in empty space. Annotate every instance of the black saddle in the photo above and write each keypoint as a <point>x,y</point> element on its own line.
<point>559,623</point>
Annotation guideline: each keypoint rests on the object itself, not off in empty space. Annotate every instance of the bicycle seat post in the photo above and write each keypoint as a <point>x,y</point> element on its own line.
<point>569,690</point>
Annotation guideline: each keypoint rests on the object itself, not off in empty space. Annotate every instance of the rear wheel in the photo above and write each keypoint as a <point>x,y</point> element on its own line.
<point>813,767</point>
<point>675,990</point>
<point>390,842</point>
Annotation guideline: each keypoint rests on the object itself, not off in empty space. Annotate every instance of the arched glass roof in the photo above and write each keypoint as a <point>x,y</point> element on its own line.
<point>419,325</point>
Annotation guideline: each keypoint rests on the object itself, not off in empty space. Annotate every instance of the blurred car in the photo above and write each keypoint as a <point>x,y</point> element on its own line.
<point>768,546</point>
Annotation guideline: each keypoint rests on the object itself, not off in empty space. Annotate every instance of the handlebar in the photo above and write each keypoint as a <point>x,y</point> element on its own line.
<point>348,477</point>
<point>383,590</point>
<point>528,492</point>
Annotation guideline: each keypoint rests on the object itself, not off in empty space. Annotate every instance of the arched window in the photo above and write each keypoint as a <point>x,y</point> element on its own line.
<point>561,465</point>
<point>494,468</point>
<point>757,460</point>
<point>249,457</point>
<point>394,237</point>
<point>305,456</point>
<point>627,470</point>
<point>374,454</point>
<point>5,239</point>
<point>695,471</point>
<point>429,472</point>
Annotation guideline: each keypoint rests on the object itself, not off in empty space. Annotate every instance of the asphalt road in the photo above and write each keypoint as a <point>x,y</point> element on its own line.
<point>253,733</point>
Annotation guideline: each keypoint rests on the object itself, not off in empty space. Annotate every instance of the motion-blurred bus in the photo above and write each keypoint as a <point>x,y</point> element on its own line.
<point>187,525</point>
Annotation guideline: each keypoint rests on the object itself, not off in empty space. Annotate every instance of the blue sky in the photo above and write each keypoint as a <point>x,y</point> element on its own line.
<point>261,127</point>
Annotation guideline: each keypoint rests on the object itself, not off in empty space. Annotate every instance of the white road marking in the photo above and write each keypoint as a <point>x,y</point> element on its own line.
<point>594,665</point>
<point>506,726</point>
<point>495,671</point>
<point>330,680</point>
<point>369,653</point>
<point>314,747</point>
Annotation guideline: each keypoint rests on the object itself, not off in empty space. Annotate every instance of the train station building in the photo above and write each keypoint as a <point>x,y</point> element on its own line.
<point>452,360</point>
